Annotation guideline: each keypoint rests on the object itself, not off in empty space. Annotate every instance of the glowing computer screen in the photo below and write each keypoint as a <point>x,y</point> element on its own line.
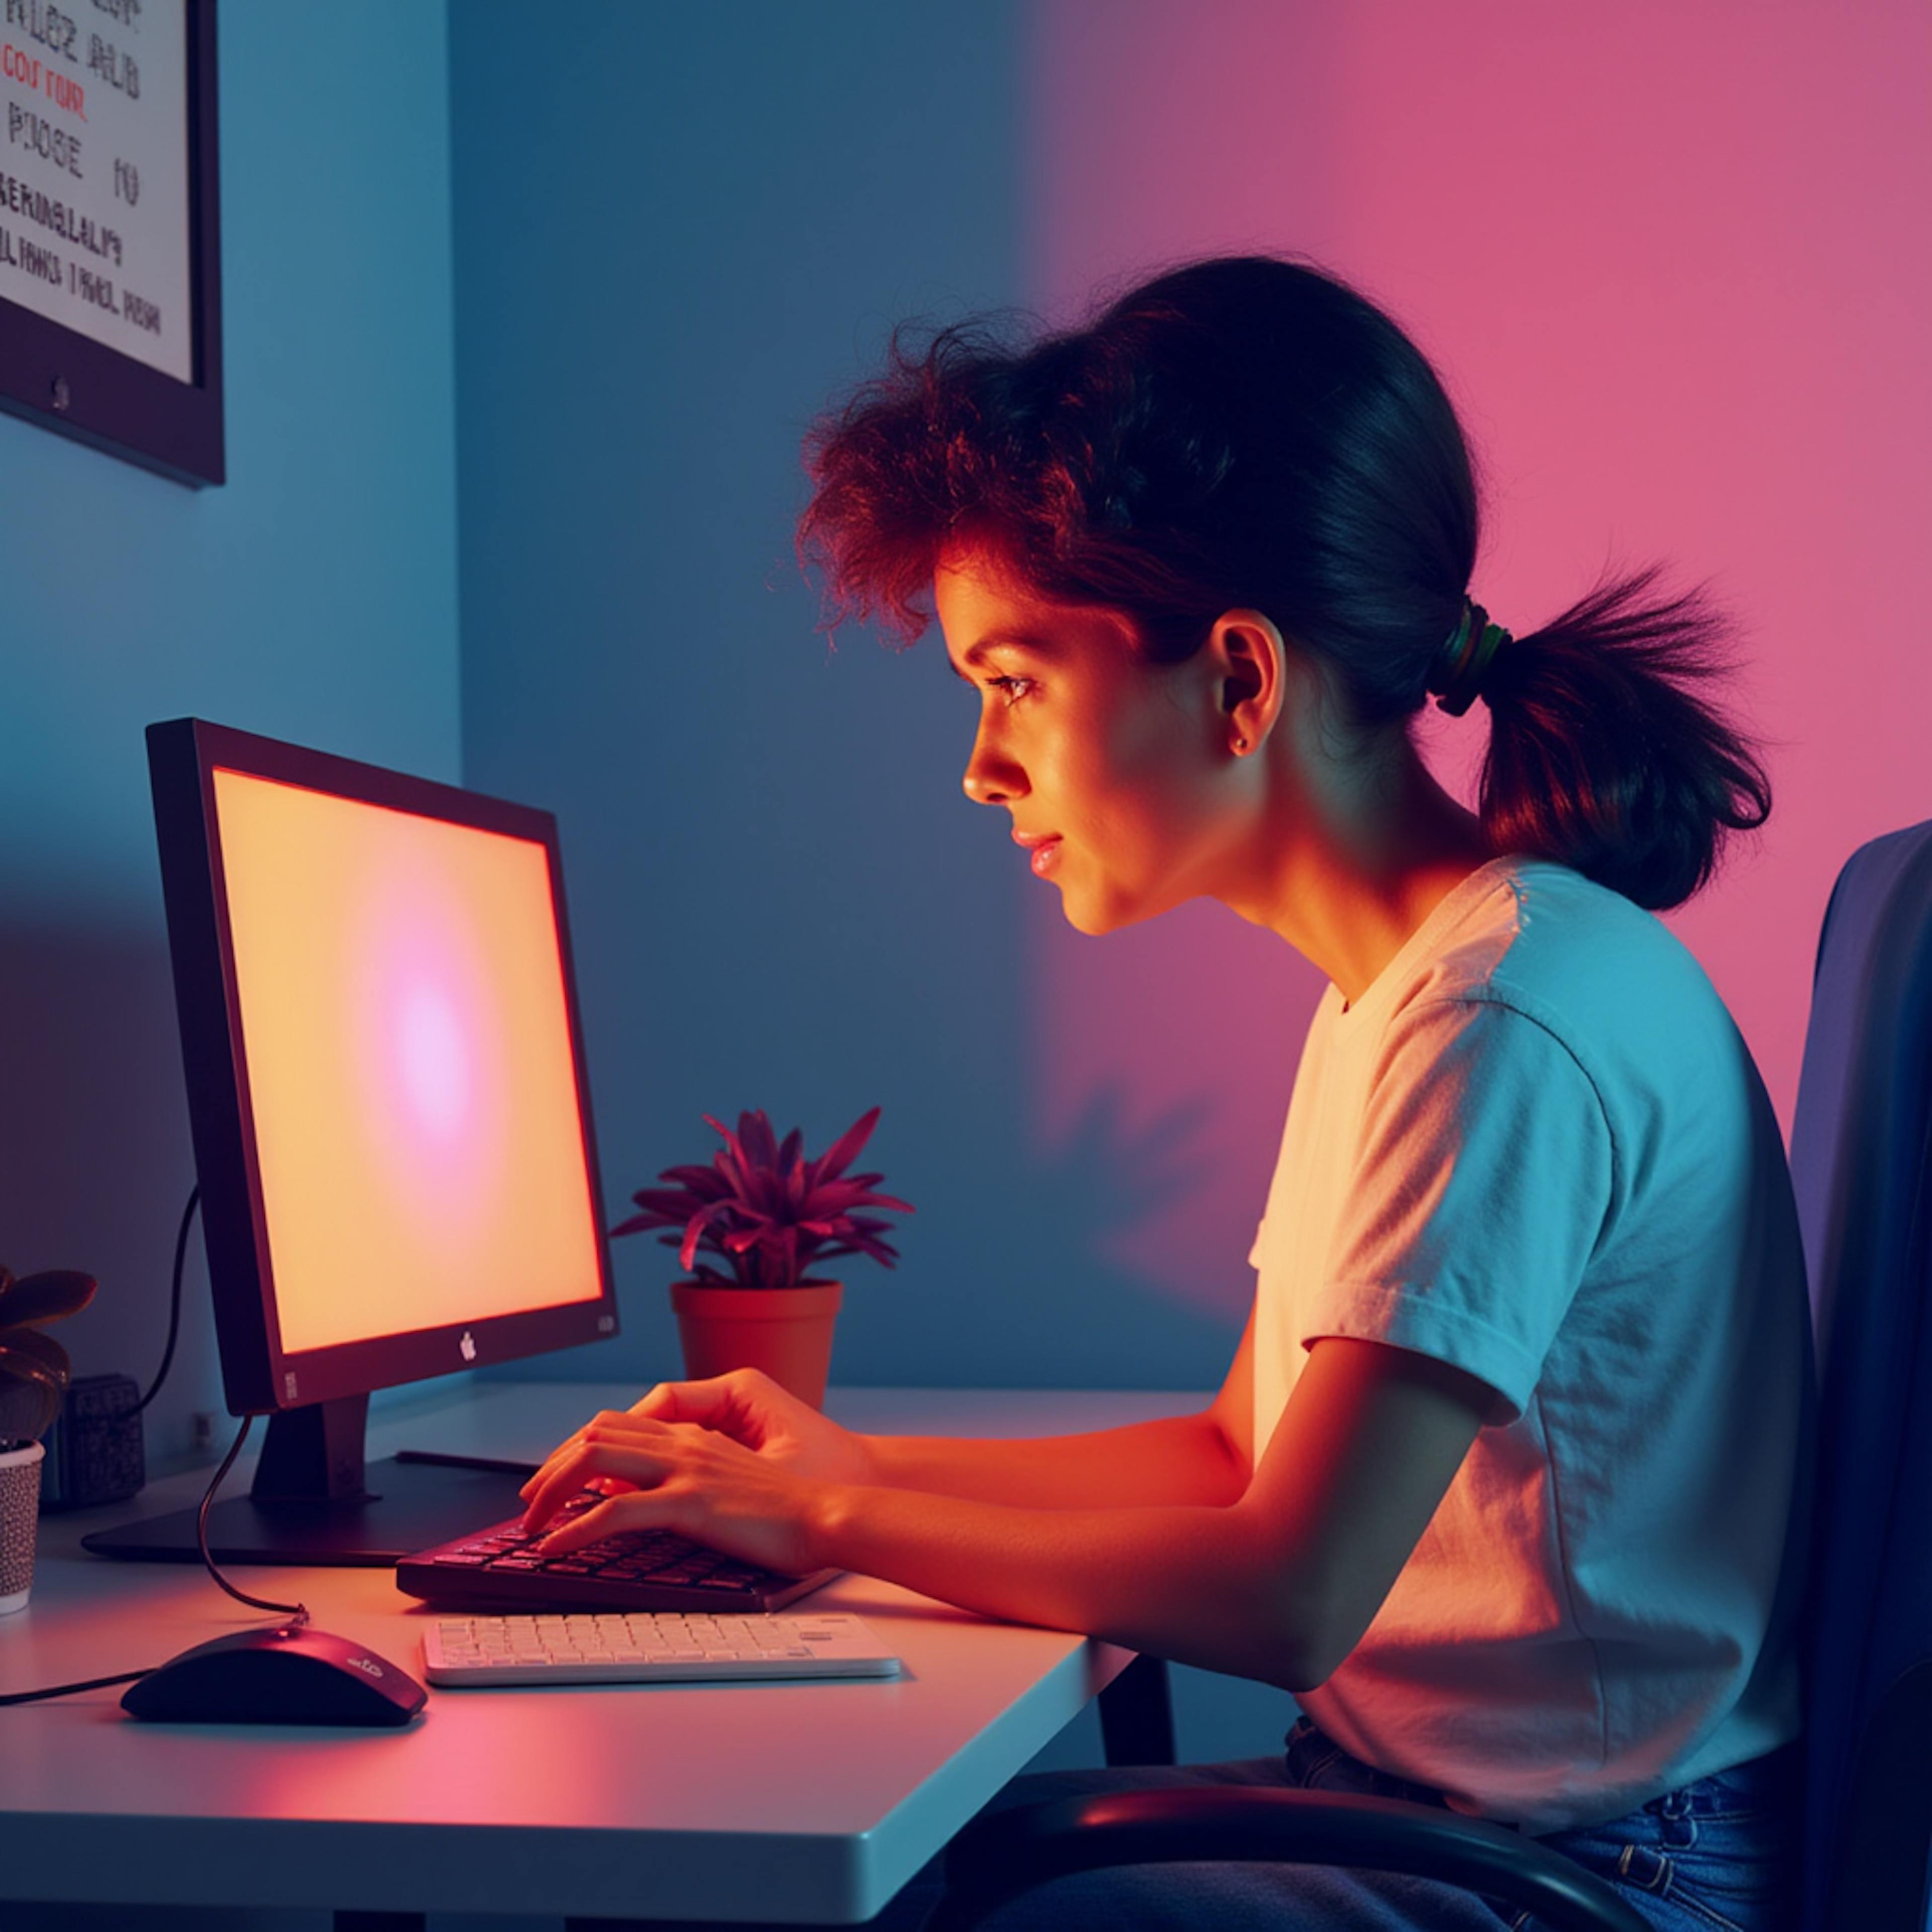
<point>386,1087</point>
<point>407,1042</point>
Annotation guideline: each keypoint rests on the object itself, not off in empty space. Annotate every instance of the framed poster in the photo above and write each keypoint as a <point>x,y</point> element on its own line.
<point>110,276</point>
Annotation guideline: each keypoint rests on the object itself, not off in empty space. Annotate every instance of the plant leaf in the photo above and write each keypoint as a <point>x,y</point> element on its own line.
<point>754,1136</point>
<point>844,1150</point>
<point>28,1410</point>
<point>730,1159</point>
<point>841,1197</point>
<point>26,1355</point>
<point>687,1254</point>
<point>49,1296</point>
<point>706,1182</point>
<point>678,1201</point>
<point>878,1251</point>
<point>763,1191</point>
<point>641,1224</point>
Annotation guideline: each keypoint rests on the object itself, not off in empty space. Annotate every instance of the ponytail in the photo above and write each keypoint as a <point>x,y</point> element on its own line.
<point>1603,753</point>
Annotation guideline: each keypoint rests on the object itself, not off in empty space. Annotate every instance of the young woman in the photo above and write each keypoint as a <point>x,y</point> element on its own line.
<point>1508,1481</point>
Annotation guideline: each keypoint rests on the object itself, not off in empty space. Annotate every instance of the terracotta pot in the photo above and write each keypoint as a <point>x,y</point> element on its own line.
<point>785,1331</point>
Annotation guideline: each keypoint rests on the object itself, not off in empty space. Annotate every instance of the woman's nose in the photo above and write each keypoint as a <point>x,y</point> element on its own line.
<point>992,778</point>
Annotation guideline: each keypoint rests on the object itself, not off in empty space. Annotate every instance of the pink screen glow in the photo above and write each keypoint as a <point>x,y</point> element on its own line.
<point>1662,253</point>
<point>409,1065</point>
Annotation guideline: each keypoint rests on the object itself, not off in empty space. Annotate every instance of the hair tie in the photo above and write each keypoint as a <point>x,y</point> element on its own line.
<point>1464,660</point>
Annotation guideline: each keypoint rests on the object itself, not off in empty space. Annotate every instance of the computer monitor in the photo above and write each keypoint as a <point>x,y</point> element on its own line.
<point>391,1120</point>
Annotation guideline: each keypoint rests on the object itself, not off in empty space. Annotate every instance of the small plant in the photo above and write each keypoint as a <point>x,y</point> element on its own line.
<point>35,1370</point>
<point>767,1211</point>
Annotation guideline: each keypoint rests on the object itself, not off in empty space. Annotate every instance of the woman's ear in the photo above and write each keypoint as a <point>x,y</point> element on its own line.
<point>1248,662</point>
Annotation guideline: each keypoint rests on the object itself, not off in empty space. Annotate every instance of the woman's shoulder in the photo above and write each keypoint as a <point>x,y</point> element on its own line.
<point>1529,924</point>
<point>1577,941</point>
<point>1608,978</point>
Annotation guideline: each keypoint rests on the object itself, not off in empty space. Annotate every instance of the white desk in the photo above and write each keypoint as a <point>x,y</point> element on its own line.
<point>813,1802</point>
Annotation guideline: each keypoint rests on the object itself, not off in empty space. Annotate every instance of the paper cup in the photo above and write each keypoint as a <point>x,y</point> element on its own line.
<point>19,1519</point>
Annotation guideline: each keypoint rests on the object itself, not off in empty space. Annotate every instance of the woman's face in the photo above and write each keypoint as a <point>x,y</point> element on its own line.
<point>1115,771</point>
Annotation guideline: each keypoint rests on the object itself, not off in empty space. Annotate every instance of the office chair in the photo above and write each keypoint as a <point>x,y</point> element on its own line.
<point>1861,1163</point>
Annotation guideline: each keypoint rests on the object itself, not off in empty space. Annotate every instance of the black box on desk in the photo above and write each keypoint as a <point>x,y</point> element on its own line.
<point>95,1449</point>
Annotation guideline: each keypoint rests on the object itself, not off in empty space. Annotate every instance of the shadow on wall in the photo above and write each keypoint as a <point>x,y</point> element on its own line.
<point>1054,1242</point>
<point>91,1074</point>
<point>96,1136</point>
<point>1080,1202</point>
<point>1110,1178</point>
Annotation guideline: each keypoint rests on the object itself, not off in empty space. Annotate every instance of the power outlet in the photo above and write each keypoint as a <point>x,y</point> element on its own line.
<point>201,1430</point>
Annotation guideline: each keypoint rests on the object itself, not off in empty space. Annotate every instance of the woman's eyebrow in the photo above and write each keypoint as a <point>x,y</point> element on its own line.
<point>1017,640</point>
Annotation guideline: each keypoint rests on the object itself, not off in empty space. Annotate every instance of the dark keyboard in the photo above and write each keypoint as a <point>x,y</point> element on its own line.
<point>641,1569</point>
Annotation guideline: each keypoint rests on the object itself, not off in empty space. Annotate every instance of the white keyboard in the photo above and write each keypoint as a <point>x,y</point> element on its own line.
<point>666,1647</point>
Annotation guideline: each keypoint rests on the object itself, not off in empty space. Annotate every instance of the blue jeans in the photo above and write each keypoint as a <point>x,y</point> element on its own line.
<point>1720,1856</point>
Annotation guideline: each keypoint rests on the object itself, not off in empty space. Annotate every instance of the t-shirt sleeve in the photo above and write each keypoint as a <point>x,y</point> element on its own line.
<point>1481,1185</point>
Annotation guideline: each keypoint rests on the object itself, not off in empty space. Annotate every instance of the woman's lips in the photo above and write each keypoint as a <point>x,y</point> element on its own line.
<point>1042,849</point>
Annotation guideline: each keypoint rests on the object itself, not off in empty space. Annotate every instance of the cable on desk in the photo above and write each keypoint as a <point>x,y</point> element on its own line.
<point>298,1611</point>
<point>68,1690</point>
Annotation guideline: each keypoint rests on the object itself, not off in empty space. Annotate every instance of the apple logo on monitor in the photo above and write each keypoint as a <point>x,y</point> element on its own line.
<point>468,1346</point>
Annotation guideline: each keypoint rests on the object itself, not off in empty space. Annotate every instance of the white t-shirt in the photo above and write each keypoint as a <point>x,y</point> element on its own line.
<point>1536,1147</point>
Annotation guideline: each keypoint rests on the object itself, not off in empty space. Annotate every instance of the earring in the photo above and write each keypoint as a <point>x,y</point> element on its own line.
<point>1240,744</point>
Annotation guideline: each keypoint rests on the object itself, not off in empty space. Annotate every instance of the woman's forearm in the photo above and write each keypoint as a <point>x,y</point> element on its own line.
<point>1177,1459</point>
<point>1196,1584</point>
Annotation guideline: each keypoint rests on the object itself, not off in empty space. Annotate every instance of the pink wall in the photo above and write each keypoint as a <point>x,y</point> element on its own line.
<point>1670,259</point>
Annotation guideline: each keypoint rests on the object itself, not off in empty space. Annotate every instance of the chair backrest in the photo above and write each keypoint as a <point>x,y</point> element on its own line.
<point>1861,1163</point>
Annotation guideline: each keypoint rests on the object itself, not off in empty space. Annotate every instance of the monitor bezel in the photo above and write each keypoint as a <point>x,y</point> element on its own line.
<point>258,1376</point>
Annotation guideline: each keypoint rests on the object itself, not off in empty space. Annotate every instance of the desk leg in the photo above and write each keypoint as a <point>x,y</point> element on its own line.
<point>680,1925</point>
<point>381,1921</point>
<point>1136,1717</point>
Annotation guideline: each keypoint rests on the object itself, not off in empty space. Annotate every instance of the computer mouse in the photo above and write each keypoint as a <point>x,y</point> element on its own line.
<point>289,1675</point>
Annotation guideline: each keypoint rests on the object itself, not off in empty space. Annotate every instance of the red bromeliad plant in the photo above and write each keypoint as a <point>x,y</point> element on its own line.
<point>766,1211</point>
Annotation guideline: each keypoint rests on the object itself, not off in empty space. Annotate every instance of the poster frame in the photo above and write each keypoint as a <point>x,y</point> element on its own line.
<point>66,381</point>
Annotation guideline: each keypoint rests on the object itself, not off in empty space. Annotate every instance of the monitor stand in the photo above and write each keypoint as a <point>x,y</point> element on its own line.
<point>315,1501</point>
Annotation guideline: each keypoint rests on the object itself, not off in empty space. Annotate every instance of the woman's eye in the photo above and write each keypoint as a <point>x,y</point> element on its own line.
<point>1012,689</point>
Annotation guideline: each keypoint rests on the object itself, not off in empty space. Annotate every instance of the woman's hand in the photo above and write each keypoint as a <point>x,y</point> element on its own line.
<point>678,1476</point>
<point>751,1408</point>
<point>730,1462</point>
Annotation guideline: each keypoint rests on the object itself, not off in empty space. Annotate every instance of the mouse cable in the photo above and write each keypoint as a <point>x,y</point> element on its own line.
<point>68,1690</point>
<point>299,1612</point>
<point>174,1301</point>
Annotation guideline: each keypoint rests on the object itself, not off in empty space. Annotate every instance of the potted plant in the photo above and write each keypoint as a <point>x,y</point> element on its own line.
<point>768,1213</point>
<point>35,1372</point>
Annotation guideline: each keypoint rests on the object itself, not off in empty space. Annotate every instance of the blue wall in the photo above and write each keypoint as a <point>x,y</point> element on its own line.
<point>673,248</point>
<point>670,250</point>
<point>313,597</point>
